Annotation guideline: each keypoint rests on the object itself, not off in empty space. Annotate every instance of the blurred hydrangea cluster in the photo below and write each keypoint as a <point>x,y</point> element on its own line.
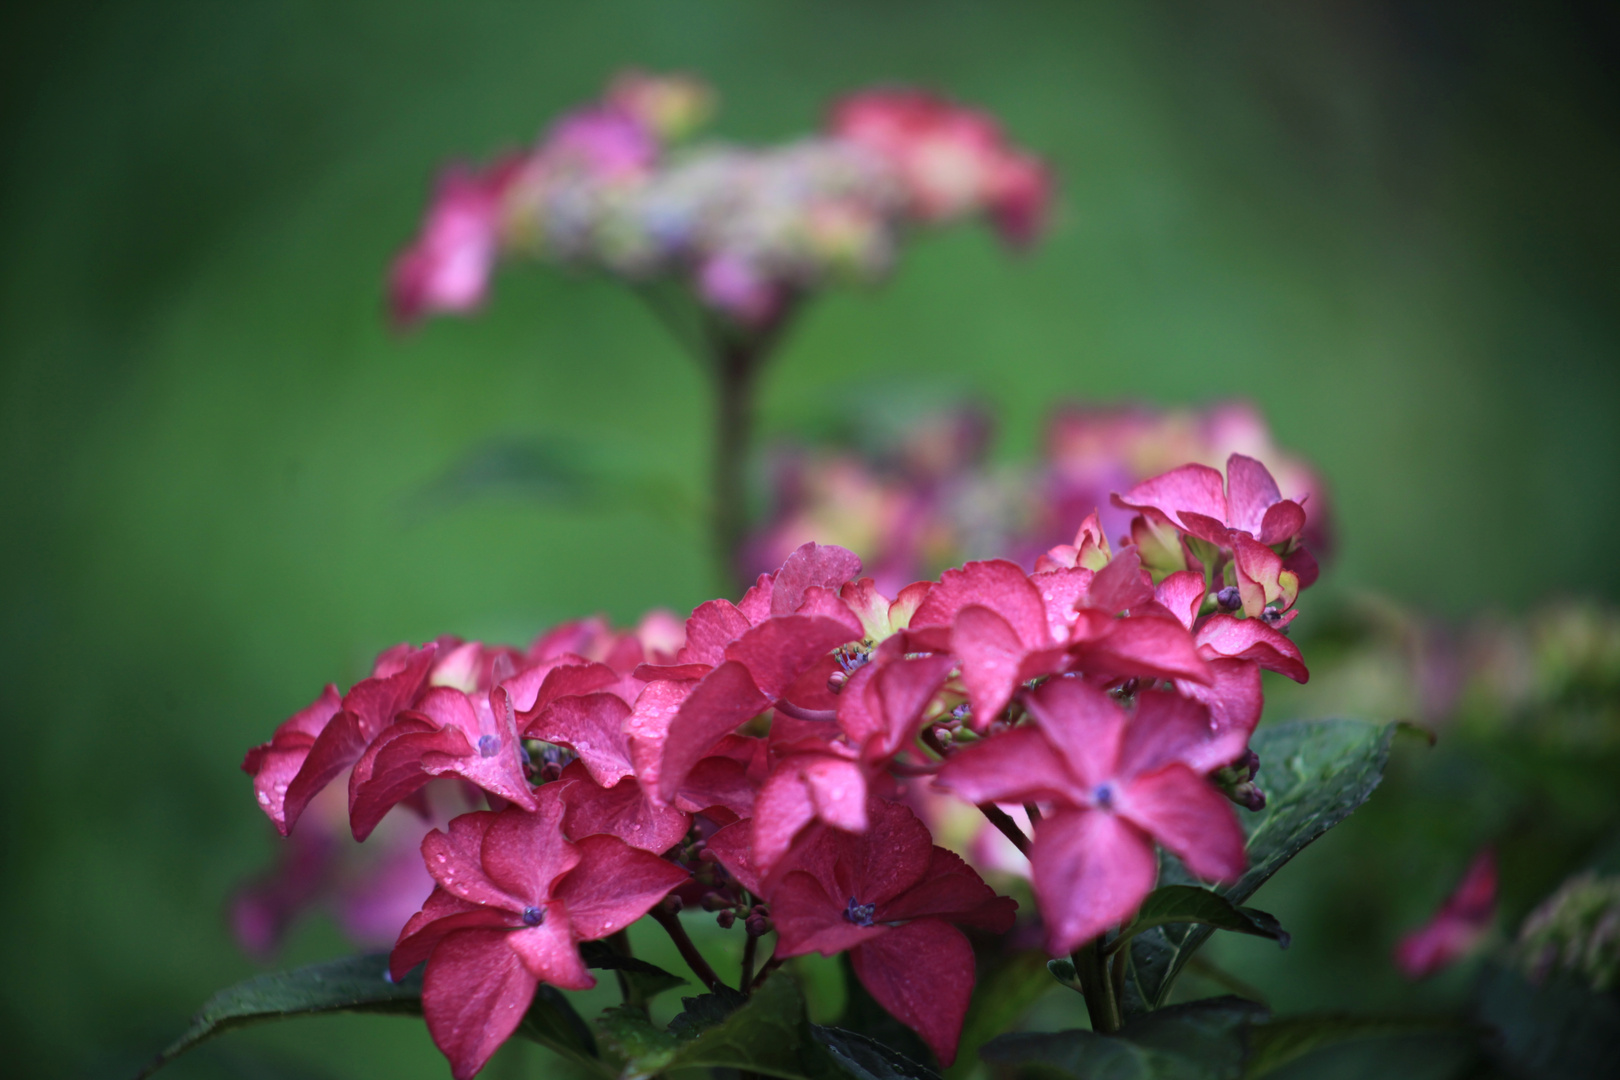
<point>1576,931</point>
<point>620,186</point>
<point>915,497</point>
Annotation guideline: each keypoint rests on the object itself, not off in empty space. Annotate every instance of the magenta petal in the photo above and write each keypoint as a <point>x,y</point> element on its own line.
<point>1121,584</point>
<point>1152,647</point>
<point>1013,766</point>
<point>717,781</point>
<point>950,889</point>
<point>712,627</point>
<point>1187,815</point>
<point>593,727</point>
<point>734,847</point>
<point>525,853</point>
<point>892,856</point>
<point>1250,492</point>
<point>922,973</point>
<point>716,706</point>
<point>780,649</point>
<point>275,764</point>
<point>474,995</point>
<point>992,661</point>
<point>614,885</point>
<point>442,914</point>
<point>1197,488</point>
<point>1182,594</point>
<point>647,727</point>
<point>453,858</point>
<point>338,747</point>
<point>1091,871</point>
<point>783,806</point>
<point>810,919</point>
<point>391,768</point>
<point>1171,729</point>
<point>1457,927</point>
<point>622,810</point>
<point>1235,700</point>
<point>1259,570</point>
<point>812,565</point>
<point>1251,639</point>
<point>1283,521</point>
<point>1083,724</point>
<point>549,951</point>
<point>996,584</point>
<point>903,689</point>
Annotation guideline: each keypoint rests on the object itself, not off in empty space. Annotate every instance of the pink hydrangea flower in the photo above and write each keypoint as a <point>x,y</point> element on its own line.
<point>447,266</point>
<point>1114,784</point>
<point>1457,928</point>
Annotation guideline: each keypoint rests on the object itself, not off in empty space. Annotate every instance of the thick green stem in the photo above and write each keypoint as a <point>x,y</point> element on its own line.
<point>1092,967</point>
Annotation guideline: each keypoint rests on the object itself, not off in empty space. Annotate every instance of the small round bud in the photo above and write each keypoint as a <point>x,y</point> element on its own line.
<point>757,925</point>
<point>727,919</point>
<point>489,745</point>
<point>1229,599</point>
<point>714,901</point>
<point>672,904</point>
<point>550,771</point>
<point>533,916</point>
<point>836,681</point>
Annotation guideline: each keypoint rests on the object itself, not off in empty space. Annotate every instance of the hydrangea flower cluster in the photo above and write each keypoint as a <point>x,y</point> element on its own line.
<point>613,187</point>
<point>758,759</point>
<point>915,498</point>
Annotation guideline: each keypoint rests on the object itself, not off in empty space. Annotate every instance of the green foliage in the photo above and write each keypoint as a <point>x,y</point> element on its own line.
<point>705,1011</point>
<point>1177,904</point>
<point>1559,1029</point>
<point>360,984</point>
<point>853,1054</point>
<point>646,980</point>
<point>1002,994</point>
<point>1281,1042</point>
<point>1314,774</point>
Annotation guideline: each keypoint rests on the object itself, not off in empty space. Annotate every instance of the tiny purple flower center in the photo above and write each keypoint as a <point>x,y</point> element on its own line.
<point>859,914</point>
<point>533,916</point>
<point>488,745</point>
<point>1102,796</point>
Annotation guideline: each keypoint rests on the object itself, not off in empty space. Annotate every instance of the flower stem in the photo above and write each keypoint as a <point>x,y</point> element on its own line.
<point>745,981</point>
<point>620,941</point>
<point>736,371</point>
<point>1098,989</point>
<point>765,972</point>
<point>671,923</point>
<point>1009,828</point>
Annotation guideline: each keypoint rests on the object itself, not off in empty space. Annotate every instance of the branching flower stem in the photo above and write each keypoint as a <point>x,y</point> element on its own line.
<point>671,922</point>
<point>1009,828</point>
<point>1101,1002</point>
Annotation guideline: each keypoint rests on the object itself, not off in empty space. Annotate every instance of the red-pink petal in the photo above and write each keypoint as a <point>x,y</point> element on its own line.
<point>780,649</point>
<point>593,727</point>
<point>734,847</point>
<point>1235,700</point>
<point>1121,584</point>
<point>1091,871</point>
<point>1147,646</point>
<point>719,703</point>
<point>810,919</point>
<point>1083,724</point>
<point>1251,639</point>
<point>992,657</point>
<point>922,973</point>
<point>613,886</point>
<point>996,584</point>
<point>1187,815</point>
<point>1170,729</point>
<point>1013,766</point>
<point>1283,521</point>
<point>950,889</point>
<point>1250,492</point>
<point>622,810</point>
<point>823,565</point>
<point>338,747</point>
<point>712,627</point>
<point>525,853</point>
<point>1457,927</point>
<point>1197,488</point>
<point>1182,594</point>
<point>549,951</point>
<point>474,995</point>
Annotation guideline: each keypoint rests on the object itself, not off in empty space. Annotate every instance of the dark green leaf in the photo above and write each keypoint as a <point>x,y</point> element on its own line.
<point>1562,1028</point>
<point>1314,773</point>
<point>353,984</point>
<point>647,979</point>
<point>863,1058</point>
<point>768,1034</point>
<point>705,1011</point>
<point>1273,1045</point>
<point>360,984</point>
<point>634,1043</point>
<point>1193,904</point>
<point>1202,1040</point>
<point>1001,996</point>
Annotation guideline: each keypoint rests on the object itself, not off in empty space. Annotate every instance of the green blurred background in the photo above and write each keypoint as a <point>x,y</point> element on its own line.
<point>1393,226</point>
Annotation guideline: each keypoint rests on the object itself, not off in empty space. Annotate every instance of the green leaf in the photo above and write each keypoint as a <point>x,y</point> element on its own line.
<point>768,1034</point>
<point>1314,774</point>
<point>647,980</point>
<point>1202,1040</point>
<point>1063,971</point>
<point>360,984</point>
<point>706,1011</point>
<point>1172,904</point>
<point>1281,1042</point>
<point>863,1058</point>
<point>1561,1028</point>
<point>634,1043</point>
<point>1003,993</point>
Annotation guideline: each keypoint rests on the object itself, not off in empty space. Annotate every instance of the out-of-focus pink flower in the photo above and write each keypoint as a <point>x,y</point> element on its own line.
<point>603,143</point>
<point>1457,928</point>
<point>952,159</point>
<point>514,898</point>
<point>732,284</point>
<point>1113,786</point>
<point>447,266</point>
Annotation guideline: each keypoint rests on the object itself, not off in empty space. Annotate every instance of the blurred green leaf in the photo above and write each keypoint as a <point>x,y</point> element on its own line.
<point>1561,1028</point>
<point>360,984</point>
<point>864,1058</point>
<point>1175,904</point>
<point>1001,996</point>
<point>706,1011</point>
<point>768,1034</point>
<point>632,1041</point>
<point>1202,1040</point>
<point>1281,1042</point>
<point>1314,774</point>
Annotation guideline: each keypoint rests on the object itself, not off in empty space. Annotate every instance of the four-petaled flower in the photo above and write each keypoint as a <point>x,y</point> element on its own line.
<point>1114,785</point>
<point>514,897</point>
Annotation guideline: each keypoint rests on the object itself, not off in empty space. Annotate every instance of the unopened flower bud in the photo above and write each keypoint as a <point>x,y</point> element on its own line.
<point>714,901</point>
<point>671,904</point>
<point>550,771</point>
<point>727,919</point>
<point>1229,599</point>
<point>836,681</point>
<point>757,924</point>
